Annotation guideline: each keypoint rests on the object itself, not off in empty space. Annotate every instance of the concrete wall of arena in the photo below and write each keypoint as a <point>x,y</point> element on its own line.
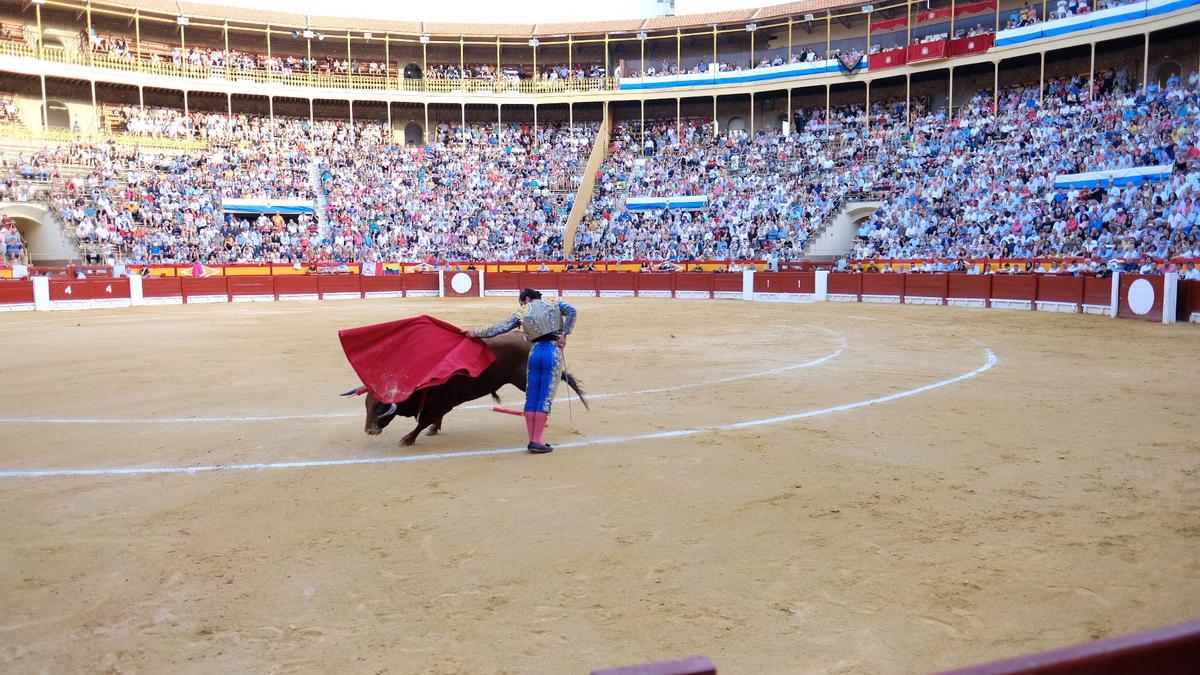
<point>80,111</point>
<point>41,230</point>
<point>1163,299</point>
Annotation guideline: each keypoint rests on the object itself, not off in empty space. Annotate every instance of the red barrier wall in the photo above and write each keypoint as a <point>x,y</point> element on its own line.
<point>883,284</point>
<point>420,281</point>
<point>969,287</point>
<point>1097,291</point>
<point>340,284</point>
<point>502,281</point>
<point>18,292</point>
<point>193,287</point>
<point>298,285</point>
<point>1163,651</point>
<point>539,281</point>
<point>1128,305</point>
<point>927,285</point>
<point>162,287</point>
<point>386,283</point>
<point>785,282</point>
<point>578,281</point>
<point>1014,287</point>
<point>1189,299</point>
<point>621,281</point>
<point>727,283</point>
<point>841,283</point>
<point>655,282</point>
<point>1068,289</point>
<point>247,286</point>
<point>89,289</point>
<point>695,282</point>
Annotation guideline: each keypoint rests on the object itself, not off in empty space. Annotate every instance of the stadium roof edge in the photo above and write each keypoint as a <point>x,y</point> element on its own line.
<point>596,27</point>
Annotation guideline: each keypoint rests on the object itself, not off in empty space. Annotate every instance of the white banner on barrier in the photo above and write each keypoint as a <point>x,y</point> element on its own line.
<point>168,300</point>
<point>1001,303</point>
<point>784,297</point>
<point>921,300</point>
<point>884,299</point>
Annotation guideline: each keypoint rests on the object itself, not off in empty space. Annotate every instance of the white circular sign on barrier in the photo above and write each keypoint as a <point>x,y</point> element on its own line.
<point>461,282</point>
<point>1141,296</point>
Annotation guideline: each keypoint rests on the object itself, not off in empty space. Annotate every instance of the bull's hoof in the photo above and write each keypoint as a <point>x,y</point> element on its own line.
<point>539,448</point>
<point>433,432</point>
<point>407,441</point>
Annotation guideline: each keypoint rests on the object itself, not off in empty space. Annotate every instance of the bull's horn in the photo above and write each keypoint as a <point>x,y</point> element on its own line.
<point>357,391</point>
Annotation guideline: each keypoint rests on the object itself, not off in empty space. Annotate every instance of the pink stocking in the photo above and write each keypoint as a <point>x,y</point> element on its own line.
<point>530,423</point>
<point>539,426</point>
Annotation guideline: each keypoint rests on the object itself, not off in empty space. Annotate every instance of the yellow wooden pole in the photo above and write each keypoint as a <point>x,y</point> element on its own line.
<point>789,47</point>
<point>828,32</point>
<point>38,10</point>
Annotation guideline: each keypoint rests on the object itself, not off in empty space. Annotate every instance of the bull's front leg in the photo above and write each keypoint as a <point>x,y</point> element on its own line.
<point>411,437</point>
<point>424,420</point>
<point>437,426</point>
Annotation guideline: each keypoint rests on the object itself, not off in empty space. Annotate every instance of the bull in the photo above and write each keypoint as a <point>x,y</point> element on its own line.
<point>431,404</point>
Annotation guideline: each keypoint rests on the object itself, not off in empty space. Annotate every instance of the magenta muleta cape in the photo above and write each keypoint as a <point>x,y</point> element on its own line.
<point>395,359</point>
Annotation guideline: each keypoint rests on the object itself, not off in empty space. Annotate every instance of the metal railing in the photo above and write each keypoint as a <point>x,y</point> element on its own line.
<point>315,78</point>
<point>14,133</point>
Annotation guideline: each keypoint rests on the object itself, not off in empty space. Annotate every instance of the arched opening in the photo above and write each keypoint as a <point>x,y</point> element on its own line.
<point>57,115</point>
<point>780,120</point>
<point>413,134</point>
<point>42,240</point>
<point>736,124</point>
<point>13,250</point>
<point>413,71</point>
<point>1165,71</point>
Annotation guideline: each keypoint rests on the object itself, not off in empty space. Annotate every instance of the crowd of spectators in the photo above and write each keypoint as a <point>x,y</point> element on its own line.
<point>139,207</point>
<point>982,186</point>
<point>9,112</point>
<point>978,187</point>
<point>669,67</point>
<point>12,244</point>
<point>1031,13</point>
<point>473,193</point>
<point>767,192</point>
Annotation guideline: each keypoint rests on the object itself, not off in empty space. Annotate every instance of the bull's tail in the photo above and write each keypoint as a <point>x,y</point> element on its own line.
<point>576,387</point>
<point>496,397</point>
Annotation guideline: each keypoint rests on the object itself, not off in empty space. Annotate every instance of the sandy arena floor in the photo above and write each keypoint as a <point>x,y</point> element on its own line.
<point>1049,499</point>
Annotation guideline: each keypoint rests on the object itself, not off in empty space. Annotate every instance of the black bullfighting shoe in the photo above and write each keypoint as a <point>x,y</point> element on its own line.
<point>539,448</point>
